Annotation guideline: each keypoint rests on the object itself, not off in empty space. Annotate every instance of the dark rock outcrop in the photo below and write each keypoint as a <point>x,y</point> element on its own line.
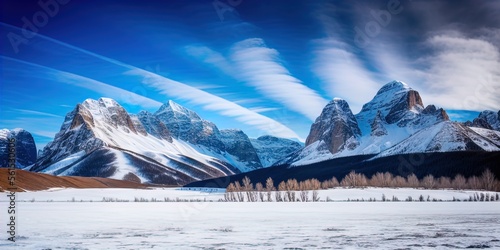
<point>336,126</point>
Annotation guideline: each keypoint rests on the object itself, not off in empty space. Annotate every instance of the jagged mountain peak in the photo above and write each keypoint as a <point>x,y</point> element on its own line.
<point>336,127</point>
<point>386,97</point>
<point>25,147</point>
<point>394,86</point>
<point>100,103</point>
<point>174,109</point>
<point>492,118</point>
<point>337,108</point>
<point>487,119</point>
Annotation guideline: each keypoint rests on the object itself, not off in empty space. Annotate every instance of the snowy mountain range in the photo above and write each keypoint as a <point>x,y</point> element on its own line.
<point>173,146</point>
<point>394,122</point>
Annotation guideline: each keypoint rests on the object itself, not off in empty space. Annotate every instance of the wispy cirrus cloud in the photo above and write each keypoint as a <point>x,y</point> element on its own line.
<point>452,63</point>
<point>170,88</point>
<point>463,72</point>
<point>343,74</point>
<point>34,112</point>
<point>121,95</point>
<point>210,57</point>
<point>211,102</point>
<point>260,67</point>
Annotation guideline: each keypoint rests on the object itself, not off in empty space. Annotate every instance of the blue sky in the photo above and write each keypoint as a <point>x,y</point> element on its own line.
<point>266,67</point>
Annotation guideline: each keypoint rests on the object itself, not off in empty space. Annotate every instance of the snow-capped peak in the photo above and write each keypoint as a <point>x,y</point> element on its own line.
<point>394,86</point>
<point>108,102</point>
<point>177,107</point>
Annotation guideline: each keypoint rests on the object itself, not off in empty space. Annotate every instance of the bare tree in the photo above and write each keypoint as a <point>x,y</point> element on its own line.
<point>315,185</point>
<point>387,179</point>
<point>248,188</point>
<point>444,182</point>
<point>281,189</point>
<point>304,192</point>
<point>474,183</point>
<point>413,181</point>
<point>239,193</point>
<point>260,191</point>
<point>291,186</point>
<point>429,182</point>
<point>459,182</point>
<point>354,180</point>
<point>488,180</point>
<point>269,188</point>
<point>377,180</point>
<point>230,190</point>
<point>399,181</point>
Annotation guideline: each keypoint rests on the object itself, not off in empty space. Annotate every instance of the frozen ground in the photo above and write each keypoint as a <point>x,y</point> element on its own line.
<point>221,225</point>
<point>337,194</point>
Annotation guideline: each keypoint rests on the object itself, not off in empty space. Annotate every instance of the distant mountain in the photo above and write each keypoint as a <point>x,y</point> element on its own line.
<point>232,146</point>
<point>394,122</point>
<point>173,146</point>
<point>487,119</point>
<point>271,149</point>
<point>445,137</point>
<point>26,153</point>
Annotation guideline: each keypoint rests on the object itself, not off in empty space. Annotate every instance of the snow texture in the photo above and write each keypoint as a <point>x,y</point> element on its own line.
<point>221,225</point>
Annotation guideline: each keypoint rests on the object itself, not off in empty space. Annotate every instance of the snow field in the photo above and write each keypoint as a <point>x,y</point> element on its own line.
<point>229,225</point>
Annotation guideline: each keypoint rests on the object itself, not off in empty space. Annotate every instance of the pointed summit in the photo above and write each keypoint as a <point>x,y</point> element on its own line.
<point>336,126</point>
<point>394,86</point>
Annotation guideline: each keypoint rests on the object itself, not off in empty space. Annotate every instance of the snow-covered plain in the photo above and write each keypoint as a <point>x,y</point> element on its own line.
<point>262,225</point>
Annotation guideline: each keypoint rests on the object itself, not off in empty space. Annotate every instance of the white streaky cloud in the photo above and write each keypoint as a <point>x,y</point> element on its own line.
<point>393,65</point>
<point>262,109</point>
<point>119,94</point>
<point>343,74</point>
<point>260,67</point>
<point>212,102</point>
<point>211,57</point>
<point>463,73</point>
<point>193,95</point>
<point>34,112</point>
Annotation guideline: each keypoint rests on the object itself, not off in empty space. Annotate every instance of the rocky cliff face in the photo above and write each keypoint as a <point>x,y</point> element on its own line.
<point>153,126</point>
<point>88,127</point>
<point>238,144</point>
<point>487,119</point>
<point>186,125</point>
<point>389,124</point>
<point>402,109</point>
<point>399,104</point>
<point>336,126</point>
<point>378,125</point>
<point>271,149</point>
<point>25,146</point>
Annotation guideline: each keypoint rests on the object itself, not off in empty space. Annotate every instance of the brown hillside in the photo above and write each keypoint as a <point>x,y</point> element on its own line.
<point>31,181</point>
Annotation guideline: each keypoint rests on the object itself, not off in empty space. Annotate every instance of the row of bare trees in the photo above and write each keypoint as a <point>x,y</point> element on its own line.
<point>485,181</point>
<point>286,190</point>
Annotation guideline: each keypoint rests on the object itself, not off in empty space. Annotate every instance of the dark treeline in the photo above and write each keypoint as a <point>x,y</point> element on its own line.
<point>449,164</point>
